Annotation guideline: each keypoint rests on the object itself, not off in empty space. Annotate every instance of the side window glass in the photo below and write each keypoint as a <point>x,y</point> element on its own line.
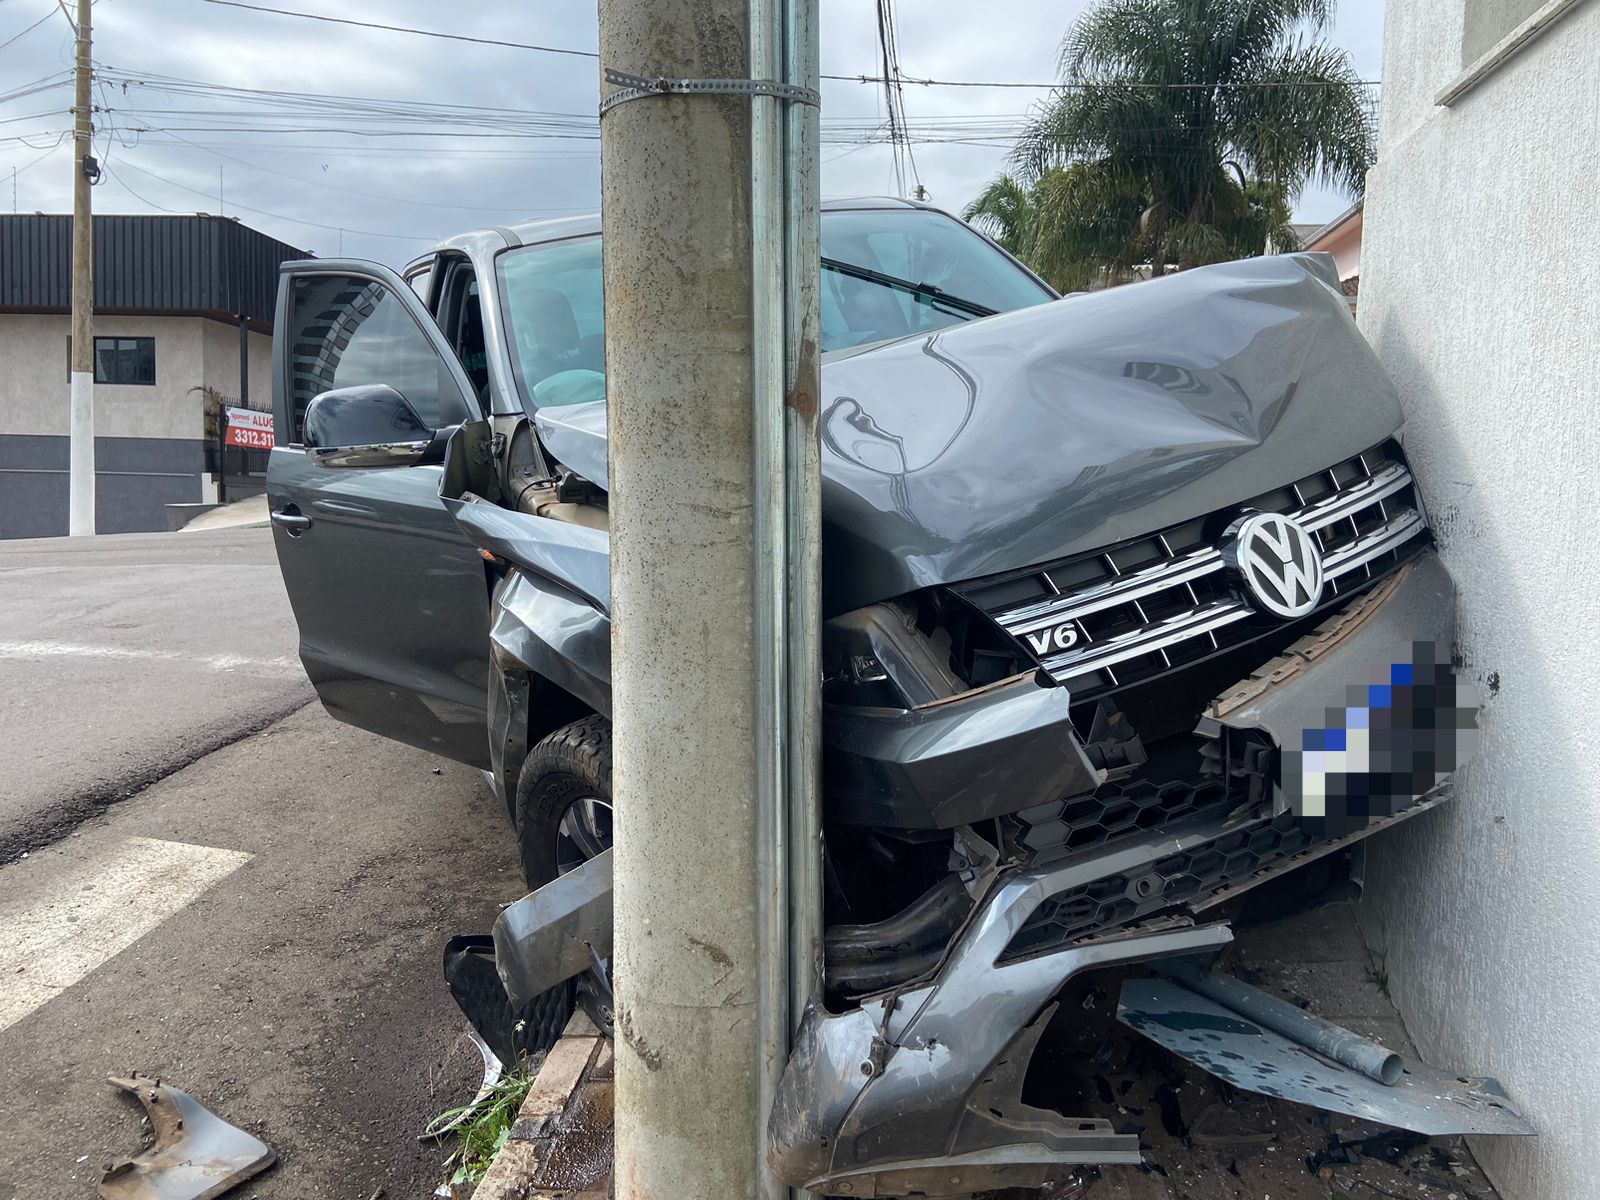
<point>419,281</point>
<point>469,340</point>
<point>345,330</point>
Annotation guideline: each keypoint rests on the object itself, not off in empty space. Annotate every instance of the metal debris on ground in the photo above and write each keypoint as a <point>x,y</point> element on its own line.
<point>1203,1138</point>
<point>1237,1045</point>
<point>492,1070</point>
<point>196,1154</point>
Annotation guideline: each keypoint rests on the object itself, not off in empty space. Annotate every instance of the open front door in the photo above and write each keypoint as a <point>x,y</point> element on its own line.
<point>391,599</point>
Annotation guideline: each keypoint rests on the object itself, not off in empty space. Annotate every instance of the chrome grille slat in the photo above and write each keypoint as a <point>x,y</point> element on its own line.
<point>1393,478</point>
<point>1360,553</point>
<point>1157,636</point>
<point>1119,590</point>
<point>1181,580</point>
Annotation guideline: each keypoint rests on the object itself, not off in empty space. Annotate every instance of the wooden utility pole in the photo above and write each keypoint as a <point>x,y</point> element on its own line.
<point>80,518</point>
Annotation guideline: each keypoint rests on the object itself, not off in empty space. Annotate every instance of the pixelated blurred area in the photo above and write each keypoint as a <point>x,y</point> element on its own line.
<point>1393,741</point>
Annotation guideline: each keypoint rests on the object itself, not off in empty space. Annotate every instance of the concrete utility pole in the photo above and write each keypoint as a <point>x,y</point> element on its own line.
<point>711,263</point>
<point>80,487</point>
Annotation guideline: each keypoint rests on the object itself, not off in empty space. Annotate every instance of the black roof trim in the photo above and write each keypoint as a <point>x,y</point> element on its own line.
<point>146,264</point>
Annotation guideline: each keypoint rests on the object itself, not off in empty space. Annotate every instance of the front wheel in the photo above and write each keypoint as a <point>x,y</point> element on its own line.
<point>563,815</point>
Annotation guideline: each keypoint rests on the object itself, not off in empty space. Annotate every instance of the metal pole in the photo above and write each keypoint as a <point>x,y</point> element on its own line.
<point>702,381</point>
<point>222,454</point>
<point>80,507</point>
<point>244,361</point>
<point>767,181</point>
<point>803,480</point>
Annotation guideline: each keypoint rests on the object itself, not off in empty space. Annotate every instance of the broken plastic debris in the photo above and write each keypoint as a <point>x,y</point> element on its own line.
<point>492,1068</point>
<point>196,1154</point>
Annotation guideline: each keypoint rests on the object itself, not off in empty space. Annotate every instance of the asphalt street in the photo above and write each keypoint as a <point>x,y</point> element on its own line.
<point>123,658</point>
<point>262,929</point>
<point>222,886</point>
<point>252,907</point>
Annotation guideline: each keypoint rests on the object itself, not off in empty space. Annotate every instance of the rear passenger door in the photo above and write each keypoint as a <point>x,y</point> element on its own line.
<point>391,599</point>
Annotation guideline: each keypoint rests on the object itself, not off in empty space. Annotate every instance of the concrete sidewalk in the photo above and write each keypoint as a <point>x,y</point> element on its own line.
<point>242,514</point>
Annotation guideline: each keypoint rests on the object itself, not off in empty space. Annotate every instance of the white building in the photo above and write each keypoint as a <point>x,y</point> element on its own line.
<point>1479,293</point>
<point>181,303</point>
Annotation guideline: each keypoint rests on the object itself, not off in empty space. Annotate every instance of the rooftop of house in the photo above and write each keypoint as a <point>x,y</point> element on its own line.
<point>199,265</point>
<point>1319,232</point>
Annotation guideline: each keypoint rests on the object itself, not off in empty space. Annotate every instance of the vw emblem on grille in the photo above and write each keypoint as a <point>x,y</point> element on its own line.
<point>1280,561</point>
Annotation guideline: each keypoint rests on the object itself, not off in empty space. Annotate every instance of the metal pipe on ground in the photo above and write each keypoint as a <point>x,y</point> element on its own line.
<point>1330,1040</point>
<point>713,568</point>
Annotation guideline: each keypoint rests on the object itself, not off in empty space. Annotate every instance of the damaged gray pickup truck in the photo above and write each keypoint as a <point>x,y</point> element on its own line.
<point>1134,631</point>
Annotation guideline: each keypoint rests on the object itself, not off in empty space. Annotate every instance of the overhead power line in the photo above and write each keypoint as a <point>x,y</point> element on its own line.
<point>888,78</point>
<point>1090,86</point>
<point>433,33</point>
<point>126,78</point>
<point>44,84</point>
<point>235,110</point>
<point>28,30</point>
<point>502,209</point>
<point>22,138</point>
<point>400,237</point>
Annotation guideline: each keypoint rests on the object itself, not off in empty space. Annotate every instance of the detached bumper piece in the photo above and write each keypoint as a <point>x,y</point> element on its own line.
<point>556,932</point>
<point>196,1154</point>
<point>1231,1032</point>
<point>918,1091</point>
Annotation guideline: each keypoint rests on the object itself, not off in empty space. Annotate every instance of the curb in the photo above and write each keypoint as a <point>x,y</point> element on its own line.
<point>560,1147</point>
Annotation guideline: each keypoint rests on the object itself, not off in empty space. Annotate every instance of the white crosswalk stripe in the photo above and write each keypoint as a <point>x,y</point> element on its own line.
<point>57,932</point>
<point>41,651</point>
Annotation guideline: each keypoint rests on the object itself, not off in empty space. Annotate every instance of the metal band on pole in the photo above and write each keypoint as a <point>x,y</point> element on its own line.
<point>637,87</point>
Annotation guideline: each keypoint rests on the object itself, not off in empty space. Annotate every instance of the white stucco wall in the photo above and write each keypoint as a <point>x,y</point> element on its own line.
<point>1479,293</point>
<point>190,351</point>
<point>222,362</point>
<point>33,386</point>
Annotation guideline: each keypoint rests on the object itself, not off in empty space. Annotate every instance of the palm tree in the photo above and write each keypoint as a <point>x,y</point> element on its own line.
<point>1008,211</point>
<point>1183,130</point>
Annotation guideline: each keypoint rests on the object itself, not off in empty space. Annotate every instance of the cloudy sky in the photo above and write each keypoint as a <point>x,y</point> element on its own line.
<point>357,176</point>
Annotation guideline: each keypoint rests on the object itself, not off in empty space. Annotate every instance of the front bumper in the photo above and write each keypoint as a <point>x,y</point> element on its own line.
<point>954,762</point>
<point>919,1090</point>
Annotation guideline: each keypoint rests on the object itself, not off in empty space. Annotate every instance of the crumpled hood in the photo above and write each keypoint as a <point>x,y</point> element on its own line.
<point>1028,436</point>
<point>1036,434</point>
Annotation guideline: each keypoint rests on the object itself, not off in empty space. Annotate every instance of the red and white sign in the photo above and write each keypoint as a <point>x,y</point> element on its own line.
<point>249,428</point>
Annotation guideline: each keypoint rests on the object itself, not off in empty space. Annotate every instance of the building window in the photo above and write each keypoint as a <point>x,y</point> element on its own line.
<point>125,360</point>
<point>1487,21</point>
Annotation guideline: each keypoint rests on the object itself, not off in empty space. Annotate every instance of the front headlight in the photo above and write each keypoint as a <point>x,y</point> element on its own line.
<point>908,652</point>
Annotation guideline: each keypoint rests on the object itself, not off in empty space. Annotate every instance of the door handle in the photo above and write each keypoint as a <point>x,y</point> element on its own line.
<point>291,519</point>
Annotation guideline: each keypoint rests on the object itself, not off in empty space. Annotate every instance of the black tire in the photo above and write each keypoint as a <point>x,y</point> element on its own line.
<point>572,764</point>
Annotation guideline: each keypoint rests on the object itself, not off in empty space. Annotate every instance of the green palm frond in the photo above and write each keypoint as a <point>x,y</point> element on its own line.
<point>1188,128</point>
<point>1313,124</point>
<point>1089,223</point>
<point>1006,211</point>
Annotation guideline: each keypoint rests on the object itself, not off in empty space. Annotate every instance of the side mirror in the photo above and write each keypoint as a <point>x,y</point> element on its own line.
<point>368,426</point>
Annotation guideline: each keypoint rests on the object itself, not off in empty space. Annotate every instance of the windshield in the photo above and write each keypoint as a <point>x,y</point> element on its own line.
<point>939,272</point>
<point>919,247</point>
